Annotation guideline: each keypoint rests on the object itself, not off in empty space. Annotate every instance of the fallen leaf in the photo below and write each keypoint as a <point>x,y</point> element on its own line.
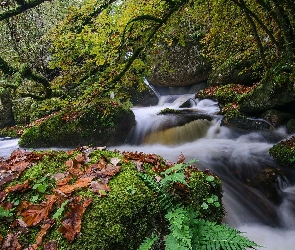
<point>43,231</point>
<point>36,213</point>
<point>71,226</point>
<point>11,243</point>
<point>97,187</point>
<point>50,245</point>
<point>18,187</point>
<point>80,183</point>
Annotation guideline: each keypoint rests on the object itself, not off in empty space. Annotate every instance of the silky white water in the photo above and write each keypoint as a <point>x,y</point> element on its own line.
<point>236,156</point>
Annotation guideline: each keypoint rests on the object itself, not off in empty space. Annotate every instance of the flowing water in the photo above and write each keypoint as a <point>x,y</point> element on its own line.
<point>259,196</point>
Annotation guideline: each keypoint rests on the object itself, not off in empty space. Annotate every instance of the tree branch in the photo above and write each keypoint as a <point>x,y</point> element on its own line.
<point>20,8</point>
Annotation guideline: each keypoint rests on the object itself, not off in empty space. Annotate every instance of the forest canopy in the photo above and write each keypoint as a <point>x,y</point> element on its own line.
<point>95,50</point>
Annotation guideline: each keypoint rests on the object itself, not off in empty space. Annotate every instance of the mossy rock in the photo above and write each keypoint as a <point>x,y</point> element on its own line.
<point>60,130</point>
<point>120,218</point>
<point>284,152</point>
<point>274,90</point>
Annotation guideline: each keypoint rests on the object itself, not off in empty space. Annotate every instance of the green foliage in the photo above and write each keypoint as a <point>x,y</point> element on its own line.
<point>284,152</point>
<point>187,230</point>
<point>5,213</point>
<point>169,111</point>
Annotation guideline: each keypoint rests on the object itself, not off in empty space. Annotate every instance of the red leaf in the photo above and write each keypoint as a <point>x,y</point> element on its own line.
<point>71,226</point>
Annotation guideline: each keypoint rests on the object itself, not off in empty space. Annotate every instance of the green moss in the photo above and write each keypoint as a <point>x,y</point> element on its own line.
<point>122,219</point>
<point>284,152</point>
<point>206,192</point>
<point>73,129</point>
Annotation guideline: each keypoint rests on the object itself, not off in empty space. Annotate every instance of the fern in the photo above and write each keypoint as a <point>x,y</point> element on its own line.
<point>187,231</point>
<point>190,233</point>
<point>148,243</point>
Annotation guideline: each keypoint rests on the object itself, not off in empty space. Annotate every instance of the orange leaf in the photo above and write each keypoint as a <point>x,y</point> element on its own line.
<point>43,231</point>
<point>71,226</point>
<point>18,187</point>
<point>37,213</point>
<point>68,189</point>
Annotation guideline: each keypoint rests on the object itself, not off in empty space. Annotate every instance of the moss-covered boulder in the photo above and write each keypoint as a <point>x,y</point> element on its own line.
<point>92,199</point>
<point>76,128</point>
<point>277,118</point>
<point>275,90</point>
<point>284,152</point>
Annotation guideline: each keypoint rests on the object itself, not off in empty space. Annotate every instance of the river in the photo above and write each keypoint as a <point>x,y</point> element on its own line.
<point>240,158</point>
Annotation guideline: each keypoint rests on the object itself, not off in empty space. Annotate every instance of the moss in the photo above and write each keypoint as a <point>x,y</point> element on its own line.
<point>284,152</point>
<point>120,220</point>
<point>76,129</point>
<point>169,111</point>
<point>206,192</point>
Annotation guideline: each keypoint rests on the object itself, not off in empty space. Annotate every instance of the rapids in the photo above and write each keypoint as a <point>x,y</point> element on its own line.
<point>259,196</point>
<point>240,158</point>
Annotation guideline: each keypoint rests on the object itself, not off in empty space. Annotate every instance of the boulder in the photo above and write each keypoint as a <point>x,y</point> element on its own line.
<point>74,130</point>
<point>178,65</point>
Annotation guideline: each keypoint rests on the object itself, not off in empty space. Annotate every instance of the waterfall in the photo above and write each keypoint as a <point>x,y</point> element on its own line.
<point>259,196</point>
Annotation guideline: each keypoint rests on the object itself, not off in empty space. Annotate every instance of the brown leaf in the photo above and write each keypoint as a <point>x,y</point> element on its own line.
<point>18,187</point>
<point>74,167</point>
<point>6,177</point>
<point>11,243</point>
<point>43,231</point>
<point>71,226</point>
<point>64,181</point>
<point>50,245</point>
<point>68,189</point>
<point>32,247</point>
<point>3,195</point>
<point>97,187</point>
<point>37,213</point>
<point>6,205</point>
<point>80,158</point>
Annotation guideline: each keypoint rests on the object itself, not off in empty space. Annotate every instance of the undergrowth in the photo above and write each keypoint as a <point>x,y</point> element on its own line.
<point>186,230</point>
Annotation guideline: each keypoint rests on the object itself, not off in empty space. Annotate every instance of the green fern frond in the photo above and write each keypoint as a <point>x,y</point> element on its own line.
<point>148,243</point>
<point>212,236</point>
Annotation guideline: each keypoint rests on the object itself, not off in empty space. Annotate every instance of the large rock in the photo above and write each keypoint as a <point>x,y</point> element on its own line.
<point>178,65</point>
<point>73,130</point>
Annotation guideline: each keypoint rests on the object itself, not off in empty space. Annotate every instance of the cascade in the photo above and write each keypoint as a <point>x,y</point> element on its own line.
<point>259,196</point>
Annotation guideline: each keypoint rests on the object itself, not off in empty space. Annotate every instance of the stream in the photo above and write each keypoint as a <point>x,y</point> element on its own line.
<point>259,196</point>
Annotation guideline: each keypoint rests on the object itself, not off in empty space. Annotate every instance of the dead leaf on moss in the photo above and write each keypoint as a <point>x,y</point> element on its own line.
<point>71,226</point>
<point>11,242</point>
<point>97,187</point>
<point>51,245</point>
<point>80,183</point>
<point>43,231</point>
<point>36,213</point>
<point>18,187</point>
<point>3,195</point>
